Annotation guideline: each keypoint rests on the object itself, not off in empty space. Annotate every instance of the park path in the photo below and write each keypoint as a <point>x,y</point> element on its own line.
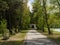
<point>35,38</point>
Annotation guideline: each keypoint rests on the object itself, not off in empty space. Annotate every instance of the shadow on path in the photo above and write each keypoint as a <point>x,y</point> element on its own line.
<point>39,41</point>
<point>35,38</point>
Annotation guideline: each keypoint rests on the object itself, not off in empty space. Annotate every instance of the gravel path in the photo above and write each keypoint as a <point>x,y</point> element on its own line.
<point>35,38</point>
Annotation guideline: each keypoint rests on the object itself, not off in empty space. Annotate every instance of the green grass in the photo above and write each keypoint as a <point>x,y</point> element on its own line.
<point>19,36</point>
<point>55,36</point>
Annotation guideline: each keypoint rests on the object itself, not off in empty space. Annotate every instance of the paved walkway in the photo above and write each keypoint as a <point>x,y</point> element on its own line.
<point>35,38</point>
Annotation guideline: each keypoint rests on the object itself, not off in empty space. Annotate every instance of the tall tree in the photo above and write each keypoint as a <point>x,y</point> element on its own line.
<point>25,16</point>
<point>46,16</point>
<point>38,14</point>
<point>3,7</point>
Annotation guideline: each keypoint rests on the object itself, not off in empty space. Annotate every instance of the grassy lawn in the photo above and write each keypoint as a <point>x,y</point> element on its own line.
<point>55,36</point>
<point>17,39</point>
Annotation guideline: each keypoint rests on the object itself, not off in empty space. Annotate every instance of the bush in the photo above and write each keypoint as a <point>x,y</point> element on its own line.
<point>3,29</point>
<point>3,26</point>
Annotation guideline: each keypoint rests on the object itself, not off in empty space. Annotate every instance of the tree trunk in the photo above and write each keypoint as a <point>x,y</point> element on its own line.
<point>10,31</point>
<point>49,32</point>
<point>58,2</point>
<point>58,6</point>
<point>43,28</point>
<point>43,23</point>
